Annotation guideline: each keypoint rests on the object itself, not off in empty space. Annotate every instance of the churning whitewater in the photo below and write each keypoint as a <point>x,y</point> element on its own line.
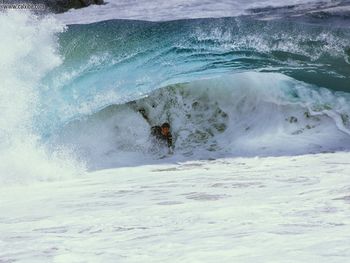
<point>244,114</point>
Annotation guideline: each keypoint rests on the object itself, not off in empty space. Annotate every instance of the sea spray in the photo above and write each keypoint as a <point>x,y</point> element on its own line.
<point>28,51</point>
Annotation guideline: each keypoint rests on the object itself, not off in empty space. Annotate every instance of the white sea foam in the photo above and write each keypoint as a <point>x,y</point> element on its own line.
<point>275,209</point>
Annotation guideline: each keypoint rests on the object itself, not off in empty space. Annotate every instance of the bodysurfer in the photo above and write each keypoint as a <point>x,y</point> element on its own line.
<point>163,135</point>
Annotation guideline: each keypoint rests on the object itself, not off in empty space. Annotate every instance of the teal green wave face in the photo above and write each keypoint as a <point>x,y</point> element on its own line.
<point>117,61</point>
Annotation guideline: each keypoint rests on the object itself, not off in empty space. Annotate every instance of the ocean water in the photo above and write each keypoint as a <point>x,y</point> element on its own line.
<point>258,98</point>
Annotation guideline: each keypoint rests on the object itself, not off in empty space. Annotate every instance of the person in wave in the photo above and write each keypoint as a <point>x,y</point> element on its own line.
<point>163,135</point>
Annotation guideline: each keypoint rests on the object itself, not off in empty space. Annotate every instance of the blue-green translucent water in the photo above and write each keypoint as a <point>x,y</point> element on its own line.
<point>132,58</point>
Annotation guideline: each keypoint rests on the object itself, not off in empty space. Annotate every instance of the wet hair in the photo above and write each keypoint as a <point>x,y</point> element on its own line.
<point>166,125</point>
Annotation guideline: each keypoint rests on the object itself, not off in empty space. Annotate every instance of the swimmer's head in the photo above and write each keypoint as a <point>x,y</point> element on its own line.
<point>165,128</point>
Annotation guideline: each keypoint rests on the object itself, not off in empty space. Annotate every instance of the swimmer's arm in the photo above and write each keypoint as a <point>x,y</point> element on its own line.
<point>170,143</point>
<point>170,140</point>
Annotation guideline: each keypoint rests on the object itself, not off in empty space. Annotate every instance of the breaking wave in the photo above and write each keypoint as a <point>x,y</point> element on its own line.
<point>228,86</point>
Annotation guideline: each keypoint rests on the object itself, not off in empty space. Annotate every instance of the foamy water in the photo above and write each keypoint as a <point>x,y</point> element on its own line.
<point>285,209</point>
